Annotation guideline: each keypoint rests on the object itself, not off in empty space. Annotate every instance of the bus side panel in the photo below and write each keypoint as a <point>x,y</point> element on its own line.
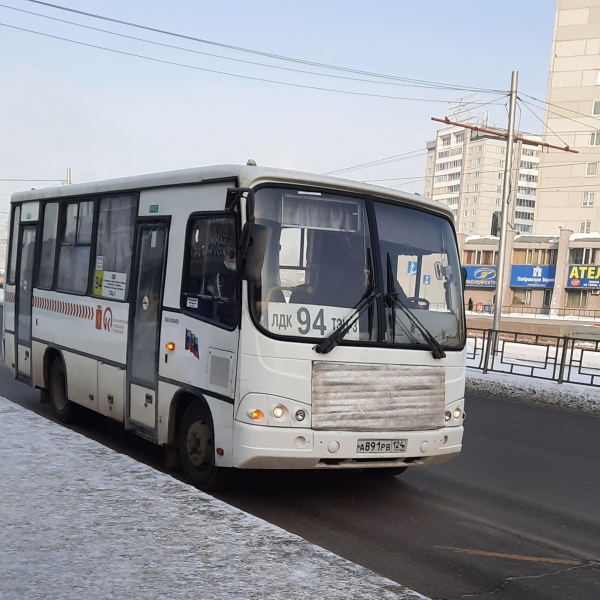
<point>82,379</point>
<point>9,326</point>
<point>111,391</point>
<point>9,351</point>
<point>88,325</point>
<point>37,364</point>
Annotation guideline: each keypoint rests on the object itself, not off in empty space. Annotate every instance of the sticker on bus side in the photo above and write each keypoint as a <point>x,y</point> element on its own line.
<point>307,320</point>
<point>109,284</point>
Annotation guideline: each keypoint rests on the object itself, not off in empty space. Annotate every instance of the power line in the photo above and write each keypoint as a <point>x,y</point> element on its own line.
<point>562,108</point>
<point>437,85</point>
<point>381,161</point>
<point>238,60</point>
<point>564,116</point>
<point>217,72</point>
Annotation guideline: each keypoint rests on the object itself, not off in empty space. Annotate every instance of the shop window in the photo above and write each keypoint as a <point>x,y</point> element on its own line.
<point>521,297</point>
<point>577,298</point>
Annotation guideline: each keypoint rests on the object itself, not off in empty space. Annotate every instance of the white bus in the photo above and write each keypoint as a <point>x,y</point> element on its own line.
<point>246,317</point>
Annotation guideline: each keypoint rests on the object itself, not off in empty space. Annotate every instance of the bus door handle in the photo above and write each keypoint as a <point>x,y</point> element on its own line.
<point>147,400</point>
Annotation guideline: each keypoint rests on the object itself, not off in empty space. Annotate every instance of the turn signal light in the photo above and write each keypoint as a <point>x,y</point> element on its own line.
<point>256,415</point>
<point>170,346</point>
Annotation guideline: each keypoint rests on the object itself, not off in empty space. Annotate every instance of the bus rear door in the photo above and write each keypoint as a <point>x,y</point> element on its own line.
<point>144,331</point>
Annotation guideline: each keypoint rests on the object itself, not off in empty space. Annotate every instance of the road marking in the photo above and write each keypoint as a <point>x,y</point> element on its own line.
<point>556,561</point>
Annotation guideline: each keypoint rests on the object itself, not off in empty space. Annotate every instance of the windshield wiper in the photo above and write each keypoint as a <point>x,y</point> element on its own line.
<point>436,349</point>
<point>337,335</point>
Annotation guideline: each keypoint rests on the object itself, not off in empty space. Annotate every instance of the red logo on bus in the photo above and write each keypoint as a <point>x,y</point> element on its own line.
<point>108,318</point>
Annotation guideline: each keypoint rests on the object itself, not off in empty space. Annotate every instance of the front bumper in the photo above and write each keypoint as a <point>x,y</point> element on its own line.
<point>259,447</point>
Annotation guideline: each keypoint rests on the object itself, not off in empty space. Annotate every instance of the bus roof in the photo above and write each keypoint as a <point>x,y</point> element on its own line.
<point>241,175</point>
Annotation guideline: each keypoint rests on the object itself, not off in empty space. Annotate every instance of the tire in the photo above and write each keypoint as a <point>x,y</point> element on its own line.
<point>197,450</point>
<point>380,473</point>
<point>64,409</point>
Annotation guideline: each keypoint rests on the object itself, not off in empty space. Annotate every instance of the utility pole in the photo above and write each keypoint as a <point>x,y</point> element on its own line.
<point>68,175</point>
<point>510,139</point>
<point>505,201</point>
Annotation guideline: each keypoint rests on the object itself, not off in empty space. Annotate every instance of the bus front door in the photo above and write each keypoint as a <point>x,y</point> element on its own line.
<point>24,286</point>
<point>144,331</point>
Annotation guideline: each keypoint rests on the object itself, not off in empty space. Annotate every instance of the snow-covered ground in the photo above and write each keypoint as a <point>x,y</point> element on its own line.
<point>80,521</point>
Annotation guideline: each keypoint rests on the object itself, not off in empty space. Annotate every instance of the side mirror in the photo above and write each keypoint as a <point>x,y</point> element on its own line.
<point>254,238</point>
<point>463,276</point>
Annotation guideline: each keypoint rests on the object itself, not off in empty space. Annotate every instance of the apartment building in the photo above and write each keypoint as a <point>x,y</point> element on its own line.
<point>570,183</point>
<point>465,171</point>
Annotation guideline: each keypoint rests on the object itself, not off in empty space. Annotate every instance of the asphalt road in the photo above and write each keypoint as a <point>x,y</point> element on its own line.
<point>516,516</point>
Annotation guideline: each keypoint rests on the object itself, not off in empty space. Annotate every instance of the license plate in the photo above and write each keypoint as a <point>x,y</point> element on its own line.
<point>378,446</point>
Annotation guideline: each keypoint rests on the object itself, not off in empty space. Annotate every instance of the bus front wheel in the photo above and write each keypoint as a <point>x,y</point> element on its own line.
<point>63,408</point>
<point>197,449</point>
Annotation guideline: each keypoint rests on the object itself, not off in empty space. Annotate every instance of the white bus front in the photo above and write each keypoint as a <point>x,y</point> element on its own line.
<point>352,347</point>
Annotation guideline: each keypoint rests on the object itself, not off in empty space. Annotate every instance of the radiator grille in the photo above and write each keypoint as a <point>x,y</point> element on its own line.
<point>357,396</point>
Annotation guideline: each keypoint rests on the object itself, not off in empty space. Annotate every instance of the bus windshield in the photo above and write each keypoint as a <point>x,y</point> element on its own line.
<point>323,268</point>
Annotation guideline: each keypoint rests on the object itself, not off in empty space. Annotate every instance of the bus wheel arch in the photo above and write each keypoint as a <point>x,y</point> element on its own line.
<point>195,438</point>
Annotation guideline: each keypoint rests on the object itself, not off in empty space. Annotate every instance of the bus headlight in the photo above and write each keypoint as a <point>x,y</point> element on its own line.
<point>300,415</point>
<point>278,411</point>
<point>456,413</point>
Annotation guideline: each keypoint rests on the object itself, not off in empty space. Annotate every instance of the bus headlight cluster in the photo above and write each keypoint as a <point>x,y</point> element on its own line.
<point>262,409</point>
<point>454,414</point>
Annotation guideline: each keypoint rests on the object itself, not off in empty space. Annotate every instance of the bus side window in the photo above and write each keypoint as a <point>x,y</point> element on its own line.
<point>74,248</point>
<point>45,273</point>
<point>210,287</point>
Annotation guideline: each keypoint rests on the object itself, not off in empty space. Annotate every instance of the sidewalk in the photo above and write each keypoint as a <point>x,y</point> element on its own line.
<point>80,521</point>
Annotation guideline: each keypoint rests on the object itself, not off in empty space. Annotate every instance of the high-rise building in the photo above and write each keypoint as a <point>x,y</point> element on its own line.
<point>570,183</point>
<point>465,170</point>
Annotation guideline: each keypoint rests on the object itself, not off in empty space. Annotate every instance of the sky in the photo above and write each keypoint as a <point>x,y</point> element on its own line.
<point>111,106</point>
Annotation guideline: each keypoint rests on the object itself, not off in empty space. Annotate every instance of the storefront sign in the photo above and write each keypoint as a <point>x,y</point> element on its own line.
<point>531,276</point>
<point>481,276</point>
<point>583,276</point>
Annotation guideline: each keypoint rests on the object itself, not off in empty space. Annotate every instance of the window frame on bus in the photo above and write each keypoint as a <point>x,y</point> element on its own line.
<point>61,244</point>
<point>11,275</point>
<point>185,272</point>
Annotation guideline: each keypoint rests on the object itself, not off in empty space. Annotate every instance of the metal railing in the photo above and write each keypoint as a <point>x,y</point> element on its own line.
<point>562,359</point>
<point>486,308</point>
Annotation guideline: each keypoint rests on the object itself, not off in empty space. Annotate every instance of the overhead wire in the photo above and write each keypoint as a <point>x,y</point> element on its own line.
<point>217,72</point>
<point>437,85</point>
<point>219,56</point>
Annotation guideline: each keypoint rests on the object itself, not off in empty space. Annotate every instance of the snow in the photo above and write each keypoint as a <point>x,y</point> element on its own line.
<point>78,520</point>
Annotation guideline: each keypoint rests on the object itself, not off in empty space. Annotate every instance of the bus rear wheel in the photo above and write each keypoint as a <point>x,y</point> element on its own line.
<point>63,408</point>
<point>197,450</point>
<point>380,473</point>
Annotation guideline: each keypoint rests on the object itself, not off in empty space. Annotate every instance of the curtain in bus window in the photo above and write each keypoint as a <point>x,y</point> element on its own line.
<point>317,213</point>
<point>114,246</point>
